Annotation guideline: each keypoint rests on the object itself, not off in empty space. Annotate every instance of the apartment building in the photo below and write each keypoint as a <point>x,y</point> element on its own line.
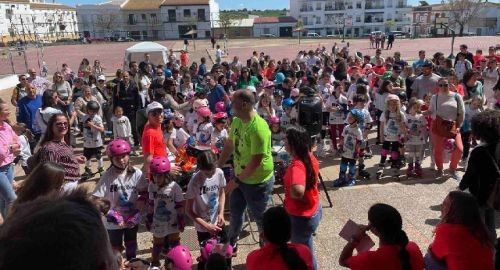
<point>357,17</point>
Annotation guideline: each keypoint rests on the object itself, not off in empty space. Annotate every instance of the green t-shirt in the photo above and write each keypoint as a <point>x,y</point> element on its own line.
<point>249,139</point>
<point>253,81</point>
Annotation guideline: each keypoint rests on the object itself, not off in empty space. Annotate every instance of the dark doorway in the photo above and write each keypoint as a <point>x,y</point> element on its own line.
<point>286,31</point>
<point>183,29</point>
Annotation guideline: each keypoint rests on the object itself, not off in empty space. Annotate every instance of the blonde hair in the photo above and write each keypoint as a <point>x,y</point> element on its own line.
<point>399,117</point>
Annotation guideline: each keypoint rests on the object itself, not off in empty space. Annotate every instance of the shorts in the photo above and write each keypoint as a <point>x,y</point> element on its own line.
<point>161,230</point>
<point>88,153</point>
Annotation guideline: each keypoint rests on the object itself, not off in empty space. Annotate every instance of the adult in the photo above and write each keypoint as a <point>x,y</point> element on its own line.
<point>285,86</point>
<point>97,69</point>
<point>9,148</point>
<point>426,83</point>
<point>277,231</point>
<point>490,75</point>
<point>395,251</point>
<point>250,143</point>
<point>480,173</point>
<point>45,179</point>
<point>449,106</point>
<point>216,93</point>
<point>81,102</point>
<point>39,82</point>
<point>472,86</point>
<point>20,90</point>
<point>340,72</point>
<point>246,79</point>
<point>378,56</point>
<point>398,60</point>
<point>67,73</point>
<point>461,240</point>
<point>170,86</point>
<point>127,96</point>
<point>134,73</point>
<point>462,65</point>
<point>55,147</point>
<point>28,106</point>
<point>492,54</point>
<point>464,50</point>
<point>77,89</point>
<point>301,188</point>
<point>64,89</point>
<point>420,62</point>
<point>69,230</point>
<point>144,86</point>
<point>398,82</point>
<point>153,144</point>
<point>390,40</point>
<point>50,99</point>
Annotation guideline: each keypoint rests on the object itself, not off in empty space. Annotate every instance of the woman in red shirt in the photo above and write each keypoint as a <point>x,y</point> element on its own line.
<point>276,254</point>
<point>461,240</point>
<point>395,251</point>
<point>301,187</point>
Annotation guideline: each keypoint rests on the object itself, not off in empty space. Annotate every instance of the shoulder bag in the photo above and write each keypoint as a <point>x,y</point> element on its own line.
<point>442,127</point>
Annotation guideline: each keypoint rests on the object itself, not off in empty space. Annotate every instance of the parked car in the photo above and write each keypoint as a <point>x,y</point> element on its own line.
<point>125,39</point>
<point>333,36</point>
<point>399,34</point>
<point>267,36</point>
<point>313,35</point>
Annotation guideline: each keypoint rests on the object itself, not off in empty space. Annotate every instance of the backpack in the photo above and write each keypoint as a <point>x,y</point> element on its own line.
<point>494,197</point>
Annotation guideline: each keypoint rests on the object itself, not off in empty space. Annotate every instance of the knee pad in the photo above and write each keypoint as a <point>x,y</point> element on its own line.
<point>384,152</point>
<point>394,155</point>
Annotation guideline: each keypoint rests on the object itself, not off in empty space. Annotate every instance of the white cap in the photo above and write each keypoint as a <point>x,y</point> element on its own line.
<point>154,106</point>
<point>252,88</point>
<point>101,78</point>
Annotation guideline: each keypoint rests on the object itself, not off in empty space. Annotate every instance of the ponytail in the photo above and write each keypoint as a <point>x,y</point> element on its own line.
<point>404,256</point>
<point>291,258</point>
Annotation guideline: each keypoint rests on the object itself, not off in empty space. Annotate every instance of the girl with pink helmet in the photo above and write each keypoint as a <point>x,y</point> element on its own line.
<point>126,190</point>
<point>204,128</point>
<point>181,135</point>
<point>166,212</point>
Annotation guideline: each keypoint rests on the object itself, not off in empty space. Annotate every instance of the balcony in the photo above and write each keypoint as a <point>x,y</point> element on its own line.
<point>306,9</point>
<point>368,6</point>
<point>374,20</point>
<point>330,8</point>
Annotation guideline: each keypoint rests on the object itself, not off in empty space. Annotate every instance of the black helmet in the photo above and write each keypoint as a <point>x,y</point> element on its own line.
<point>92,106</point>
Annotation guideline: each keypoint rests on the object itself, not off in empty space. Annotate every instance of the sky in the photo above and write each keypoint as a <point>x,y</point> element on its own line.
<point>234,4</point>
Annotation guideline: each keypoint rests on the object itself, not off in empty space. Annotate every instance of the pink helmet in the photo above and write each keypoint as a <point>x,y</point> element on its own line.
<point>220,106</point>
<point>160,165</point>
<point>220,115</point>
<point>274,120</point>
<point>213,246</point>
<point>180,257</point>
<point>190,95</point>
<point>204,112</point>
<point>178,119</point>
<point>295,92</point>
<point>118,147</point>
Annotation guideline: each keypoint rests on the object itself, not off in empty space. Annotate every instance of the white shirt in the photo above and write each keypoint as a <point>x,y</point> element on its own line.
<point>417,129</point>
<point>121,189</point>
<point>181,137</point>
<point>218,137</point>
<point>25,149</point>
<point>121,127</point>
<point>42,117</point>
<point>204,133</point>
<point>338,117</point>
<point>392,128</point>
<point>165,214</point>
<point>92,137</point>
<point>351,135</point>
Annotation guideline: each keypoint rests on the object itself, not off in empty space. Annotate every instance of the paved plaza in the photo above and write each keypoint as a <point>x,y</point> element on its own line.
<point>418,200</point>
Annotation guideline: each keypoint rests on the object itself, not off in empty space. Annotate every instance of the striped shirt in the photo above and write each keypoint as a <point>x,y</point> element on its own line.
<point>61,153</point>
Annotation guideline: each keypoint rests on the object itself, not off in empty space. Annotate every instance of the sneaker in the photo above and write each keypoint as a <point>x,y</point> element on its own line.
<point>439,173</point>
<point>454,175</point>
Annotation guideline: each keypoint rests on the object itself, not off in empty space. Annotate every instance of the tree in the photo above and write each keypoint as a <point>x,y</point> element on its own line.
<point>461,12</point>
<point>107,21</point>
<point>299,27</point>
<point>226,20</point>
<point>389,24</point>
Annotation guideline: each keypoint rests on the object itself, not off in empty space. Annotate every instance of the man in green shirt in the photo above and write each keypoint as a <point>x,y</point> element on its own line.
<point>250,143</point>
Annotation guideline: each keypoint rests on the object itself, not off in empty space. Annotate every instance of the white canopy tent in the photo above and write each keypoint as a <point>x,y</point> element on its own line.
<point>158,53</point>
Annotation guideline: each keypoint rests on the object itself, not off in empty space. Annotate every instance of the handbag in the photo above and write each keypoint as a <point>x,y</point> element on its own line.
<point>494,197</point>
<point>445,128</point>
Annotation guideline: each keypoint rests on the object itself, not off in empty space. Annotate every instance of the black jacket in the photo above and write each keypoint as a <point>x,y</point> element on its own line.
<point>481,173</point>
<point>128,98</point>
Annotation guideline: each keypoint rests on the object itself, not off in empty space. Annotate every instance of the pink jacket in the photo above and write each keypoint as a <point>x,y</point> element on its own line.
<point>7,137</point>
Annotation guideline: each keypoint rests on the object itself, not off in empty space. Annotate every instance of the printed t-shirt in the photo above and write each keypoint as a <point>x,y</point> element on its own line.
<point>252,138</point>
<point>152,142</point>
<point>386,257</point>
<point>392,128</point>
<point>269,257</point>
<point>338,117</point>
<point>92,137</point>
<point>296,175</point>
<point>417,128</point>
<point>165,214</point>
<point>351,135</point>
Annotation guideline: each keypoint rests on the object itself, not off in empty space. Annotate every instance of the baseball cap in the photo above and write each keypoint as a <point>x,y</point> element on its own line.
<point>101,78</point>
<point>154,106</point>
<point>252,88</point>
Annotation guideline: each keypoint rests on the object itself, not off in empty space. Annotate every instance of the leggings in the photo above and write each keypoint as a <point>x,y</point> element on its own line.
<point>389,148</point>
<point>128,236</point>
<point>415,153</point>
<point>336,132</point>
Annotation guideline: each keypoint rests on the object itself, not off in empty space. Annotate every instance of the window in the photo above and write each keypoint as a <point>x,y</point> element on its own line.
<point>131,19</point>
<point>172,17</point>
<point>187,13</point>
<point>318,6</point>
<point>201,15</point>
<point>155,34</point>
<point>358,18</point>
<point>143,17</point>
<point>358,5</point>
<point>154,20</point>
<point>389,3</point>
<point>144,34</point>
<point>318,20</point>
<point>267,31</point>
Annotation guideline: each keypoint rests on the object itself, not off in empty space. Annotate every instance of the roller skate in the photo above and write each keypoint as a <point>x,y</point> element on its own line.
<point>395,167</point>
<point>418,170</point>
<point>100,171</point>
<point>87,174</point>
<point>362,173</point>
<point>409,171</point>
<point>380,171</point>
<point>341,182</point>
<point>368,154</point>
<point>351,180</point>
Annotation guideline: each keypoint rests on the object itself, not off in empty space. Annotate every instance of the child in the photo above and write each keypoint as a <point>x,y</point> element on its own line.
<point>203,130</point>
<point>205,198</point>
<point>166,211</point>
<point>416,125</point>
<point>219,134</point>
<point>92,140</point>
<point>428,117</point>
<point>392,129</point>
<point>336,104</point>
<point>121,126</point>
<point>277,104</point>
<point>126,189</point>
<point>277,134</point>
<point>360,101</point>
<point>379,101</point>
<point>465,131</point>
<point>181,135</point>
<point>287,119</point>
<point>265,107</point>
<point>169,132</point>
<point>352,137</point>
<point>25,136</point>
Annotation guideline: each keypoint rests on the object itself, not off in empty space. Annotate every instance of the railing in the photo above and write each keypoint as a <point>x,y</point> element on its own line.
<point>306,9</point>
<point>374,7</point>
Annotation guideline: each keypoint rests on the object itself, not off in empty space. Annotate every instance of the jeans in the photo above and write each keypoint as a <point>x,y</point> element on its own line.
<point>432,264</point>
<point>488,215</point>
<point>255,197</point>
<point>7,194</point>
<point>303,229</point>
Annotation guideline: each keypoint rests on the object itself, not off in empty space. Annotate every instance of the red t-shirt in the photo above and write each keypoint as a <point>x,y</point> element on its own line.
<point>497,57</point>
<point>152,142</point>
<point>454,244</point>
<point>269,257</point>
<point>296,175</point>
<point>379,70</point>
<point>184,59</point>
<point>477,60</point>
<point>386,258</point>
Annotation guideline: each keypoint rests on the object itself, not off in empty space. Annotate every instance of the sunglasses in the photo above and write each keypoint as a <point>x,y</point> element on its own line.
<point>159,74</point>
<point>62,124</point>
<point>443,85</point>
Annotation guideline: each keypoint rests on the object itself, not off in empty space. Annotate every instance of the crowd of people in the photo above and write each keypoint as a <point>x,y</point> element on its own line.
<point>209,140</point>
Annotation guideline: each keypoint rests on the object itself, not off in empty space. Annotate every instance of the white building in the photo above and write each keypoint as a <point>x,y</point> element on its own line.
<point>35,20</point>
<point>148,19</point>
<point>277,26</point>
<point>360,17</point>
